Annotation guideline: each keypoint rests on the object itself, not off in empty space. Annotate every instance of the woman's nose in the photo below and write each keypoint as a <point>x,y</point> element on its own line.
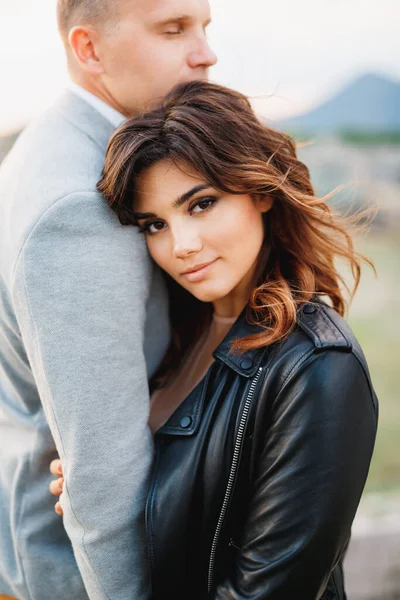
<point>186,243</point>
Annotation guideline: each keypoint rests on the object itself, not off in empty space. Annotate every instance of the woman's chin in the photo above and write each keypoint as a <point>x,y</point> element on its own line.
<point>207,295</point>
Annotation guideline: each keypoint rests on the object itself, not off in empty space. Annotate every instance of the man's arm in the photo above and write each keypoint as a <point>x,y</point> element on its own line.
<point>80,290</point>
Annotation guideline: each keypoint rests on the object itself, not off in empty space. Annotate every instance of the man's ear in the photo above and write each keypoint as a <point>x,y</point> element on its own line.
<point>84,44</point>
<point>265,203</point>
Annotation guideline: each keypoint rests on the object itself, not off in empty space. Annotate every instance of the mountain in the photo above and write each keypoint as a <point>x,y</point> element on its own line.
<point>370,104</point>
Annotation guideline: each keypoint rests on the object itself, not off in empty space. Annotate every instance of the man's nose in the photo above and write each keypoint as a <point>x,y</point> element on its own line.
<point>186,243</point>
<point>202,55</point>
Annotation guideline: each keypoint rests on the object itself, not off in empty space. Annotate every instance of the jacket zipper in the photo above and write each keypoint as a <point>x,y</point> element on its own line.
<point>231,479</point>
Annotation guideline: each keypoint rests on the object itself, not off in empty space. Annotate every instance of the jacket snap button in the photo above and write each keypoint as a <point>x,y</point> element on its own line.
<point>309,309</point>
<point>186,422</point>
<point>246,363</point>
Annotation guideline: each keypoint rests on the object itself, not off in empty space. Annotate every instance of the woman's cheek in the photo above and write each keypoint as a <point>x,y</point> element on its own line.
<point>155,248</point>
<point>161,252</point>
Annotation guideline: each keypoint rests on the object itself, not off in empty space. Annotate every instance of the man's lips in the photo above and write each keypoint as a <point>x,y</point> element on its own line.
<point>197,272</point>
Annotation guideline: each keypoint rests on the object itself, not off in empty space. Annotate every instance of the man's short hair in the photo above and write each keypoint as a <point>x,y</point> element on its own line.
<point>83,12</point>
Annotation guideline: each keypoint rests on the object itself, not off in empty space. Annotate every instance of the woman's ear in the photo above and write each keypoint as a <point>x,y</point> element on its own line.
<point>265,203</point>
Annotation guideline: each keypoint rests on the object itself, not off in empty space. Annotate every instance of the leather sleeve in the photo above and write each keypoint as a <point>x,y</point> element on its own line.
<point>309,477</point>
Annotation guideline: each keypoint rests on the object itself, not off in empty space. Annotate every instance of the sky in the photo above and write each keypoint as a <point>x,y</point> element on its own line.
<point>287,55</point>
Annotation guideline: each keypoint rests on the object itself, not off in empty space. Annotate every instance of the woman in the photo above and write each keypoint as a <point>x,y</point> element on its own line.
<point>263,411</point>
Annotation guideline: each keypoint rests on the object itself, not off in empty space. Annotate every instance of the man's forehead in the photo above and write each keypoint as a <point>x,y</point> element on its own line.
<point>166,9</point>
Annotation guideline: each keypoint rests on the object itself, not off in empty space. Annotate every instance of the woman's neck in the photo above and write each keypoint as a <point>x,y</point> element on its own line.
<point>233,304</point>
<point>227,309</point>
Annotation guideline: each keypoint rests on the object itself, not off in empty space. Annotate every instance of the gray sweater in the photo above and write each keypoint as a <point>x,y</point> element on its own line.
<point>83,322</point>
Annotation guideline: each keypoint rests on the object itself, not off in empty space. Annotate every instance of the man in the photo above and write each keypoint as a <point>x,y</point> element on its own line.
<point>83,312</point>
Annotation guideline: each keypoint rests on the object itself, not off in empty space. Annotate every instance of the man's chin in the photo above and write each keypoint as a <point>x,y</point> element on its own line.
<point>156,102</point>
<point>203,77</point>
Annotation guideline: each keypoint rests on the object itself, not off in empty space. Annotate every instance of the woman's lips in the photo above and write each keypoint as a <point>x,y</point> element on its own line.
<point>199,273</point>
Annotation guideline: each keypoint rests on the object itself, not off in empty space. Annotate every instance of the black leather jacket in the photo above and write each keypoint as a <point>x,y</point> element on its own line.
<point>259,472</point>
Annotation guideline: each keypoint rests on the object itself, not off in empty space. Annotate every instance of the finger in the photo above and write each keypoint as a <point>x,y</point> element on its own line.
<point>58,509</point>
<point>56,467</point>
<point>56,486</point>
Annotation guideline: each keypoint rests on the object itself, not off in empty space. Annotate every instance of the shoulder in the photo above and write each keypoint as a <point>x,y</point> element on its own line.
<point>319,328</point>
<point>327,330</point>
<point>51,157</point>
<point>60,152</point>
<point>323,351</point>
<point>324,326</point>
<point>50,177</point>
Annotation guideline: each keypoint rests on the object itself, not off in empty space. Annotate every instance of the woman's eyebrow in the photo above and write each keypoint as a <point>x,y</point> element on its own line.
<point>138,215</point>
<point>187,195</point>
<point>177,203</point>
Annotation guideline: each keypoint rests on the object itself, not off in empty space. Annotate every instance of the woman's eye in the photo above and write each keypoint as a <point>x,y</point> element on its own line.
<point>203,205</point>
<point>152,227</point>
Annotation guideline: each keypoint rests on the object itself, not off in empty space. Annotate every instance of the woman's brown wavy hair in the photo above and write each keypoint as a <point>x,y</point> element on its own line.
<point>214,131</point>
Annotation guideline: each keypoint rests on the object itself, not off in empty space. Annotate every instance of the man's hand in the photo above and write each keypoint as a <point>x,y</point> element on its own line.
<point>56,486</point>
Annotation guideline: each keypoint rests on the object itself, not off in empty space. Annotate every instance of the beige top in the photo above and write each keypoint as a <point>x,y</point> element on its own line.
<point>167,399</point>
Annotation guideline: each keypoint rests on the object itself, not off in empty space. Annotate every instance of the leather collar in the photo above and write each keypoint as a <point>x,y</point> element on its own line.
<point>185,420</point>
<point>246,363</point>
<point>312,318</point>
